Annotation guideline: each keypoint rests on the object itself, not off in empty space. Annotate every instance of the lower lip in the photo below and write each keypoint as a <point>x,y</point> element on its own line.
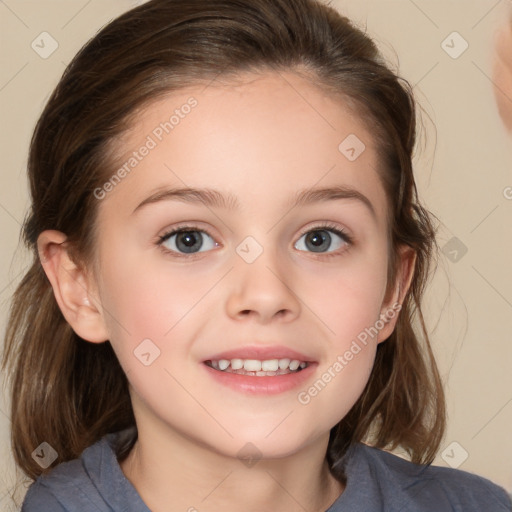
<point>261,385</point>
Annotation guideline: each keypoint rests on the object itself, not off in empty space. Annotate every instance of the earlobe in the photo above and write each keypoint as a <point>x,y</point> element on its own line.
<point>391,310</point>
<point>72,287</point>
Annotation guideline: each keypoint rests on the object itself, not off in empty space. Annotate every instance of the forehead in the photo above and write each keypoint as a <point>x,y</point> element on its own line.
<point>262,136</point>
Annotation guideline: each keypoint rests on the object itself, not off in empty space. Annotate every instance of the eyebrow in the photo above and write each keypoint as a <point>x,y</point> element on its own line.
<point>215,199</point>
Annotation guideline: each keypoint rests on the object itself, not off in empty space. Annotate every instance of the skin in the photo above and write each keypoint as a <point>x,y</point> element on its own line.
<point>261,141</point>
<point>502,72</point>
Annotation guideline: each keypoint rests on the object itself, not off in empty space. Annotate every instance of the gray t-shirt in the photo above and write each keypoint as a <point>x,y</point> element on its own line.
<point>376,481</point>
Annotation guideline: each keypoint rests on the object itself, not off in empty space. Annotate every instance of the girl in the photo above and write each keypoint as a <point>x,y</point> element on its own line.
<point>229,254</point>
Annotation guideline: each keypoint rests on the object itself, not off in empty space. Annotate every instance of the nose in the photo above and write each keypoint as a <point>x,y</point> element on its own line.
<point>262,291</point>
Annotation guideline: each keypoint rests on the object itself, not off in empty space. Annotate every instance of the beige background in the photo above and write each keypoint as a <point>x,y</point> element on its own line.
<point>463,170</point>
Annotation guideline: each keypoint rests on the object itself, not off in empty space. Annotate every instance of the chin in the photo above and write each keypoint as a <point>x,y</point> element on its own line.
<point>253,445</point>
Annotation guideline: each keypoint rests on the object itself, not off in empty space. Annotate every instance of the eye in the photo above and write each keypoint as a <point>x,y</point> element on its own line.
<point>190,240</point>
<point>320,240</point>
<point>186,240</point>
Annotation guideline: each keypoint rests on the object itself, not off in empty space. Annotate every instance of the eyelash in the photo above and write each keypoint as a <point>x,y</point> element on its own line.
<point>321,227</point>
<point>336,230</point>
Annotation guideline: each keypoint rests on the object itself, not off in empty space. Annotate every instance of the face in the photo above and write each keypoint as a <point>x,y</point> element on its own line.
<point>256,276</point>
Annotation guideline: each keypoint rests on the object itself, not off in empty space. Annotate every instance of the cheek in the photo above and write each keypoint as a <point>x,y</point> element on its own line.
<point>348,304</point>
<point>148,300</point>
<point>338,385</point>
<point>152,315</point>
<point>348,298</point>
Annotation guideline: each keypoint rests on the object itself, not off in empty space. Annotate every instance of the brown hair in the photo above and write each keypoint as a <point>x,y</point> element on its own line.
<point>58,380</point>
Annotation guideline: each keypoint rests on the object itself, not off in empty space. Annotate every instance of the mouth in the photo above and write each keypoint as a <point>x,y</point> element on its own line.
<point>258,368</point>
<point>263,371</point>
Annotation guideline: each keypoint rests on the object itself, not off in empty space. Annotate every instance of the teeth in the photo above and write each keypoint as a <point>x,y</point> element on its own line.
<point>294,364</point>
<point>270,366</point>
<point>237,364</point>
<point>223,364</point>
<point>252,365</point>
<point>284,363</point>
<point>260,368</point>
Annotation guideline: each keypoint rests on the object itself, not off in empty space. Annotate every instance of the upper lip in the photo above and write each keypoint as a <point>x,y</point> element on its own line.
<point>261,353</point>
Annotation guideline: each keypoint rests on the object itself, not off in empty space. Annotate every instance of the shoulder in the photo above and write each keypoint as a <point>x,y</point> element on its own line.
<point>68,487</point>
<point>40,499</point>
<point>427,487</point>
<point>56,490</point>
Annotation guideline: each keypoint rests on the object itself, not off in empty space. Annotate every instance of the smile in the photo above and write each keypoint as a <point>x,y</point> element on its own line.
<point>258,368</point>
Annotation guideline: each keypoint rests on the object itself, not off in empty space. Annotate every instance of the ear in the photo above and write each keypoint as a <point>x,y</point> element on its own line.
<point>72,286</point>
<point>391,309</point>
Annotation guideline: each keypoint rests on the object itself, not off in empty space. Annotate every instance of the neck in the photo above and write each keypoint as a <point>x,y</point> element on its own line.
<point>173,473</point>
